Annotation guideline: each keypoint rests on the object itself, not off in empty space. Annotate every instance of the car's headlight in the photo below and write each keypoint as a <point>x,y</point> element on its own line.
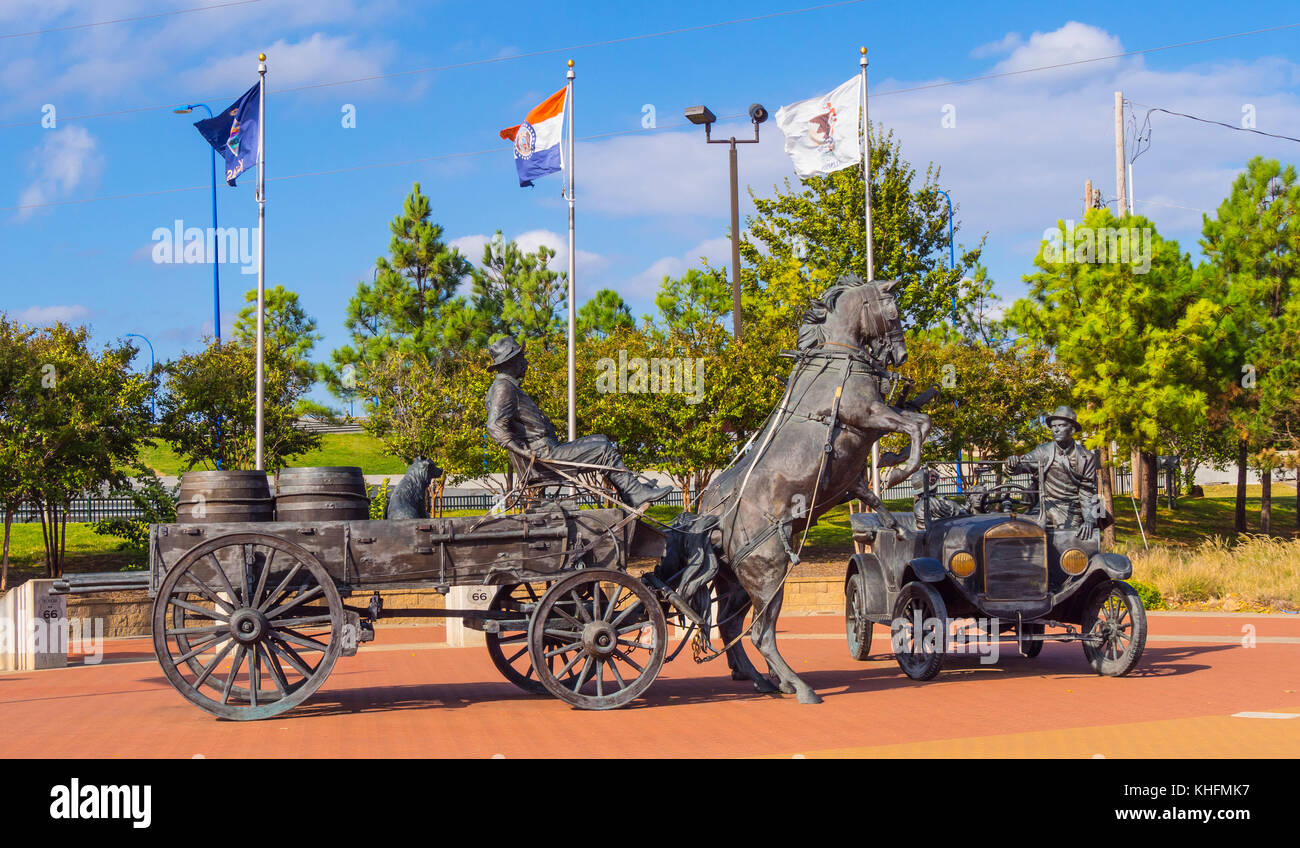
<point>962,564</point>
<point>1074,561</point>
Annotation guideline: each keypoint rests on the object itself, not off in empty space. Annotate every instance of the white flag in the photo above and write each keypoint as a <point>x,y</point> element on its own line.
<point>821,134</point>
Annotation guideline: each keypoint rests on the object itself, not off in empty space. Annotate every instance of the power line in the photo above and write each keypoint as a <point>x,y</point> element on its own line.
<point>1084,61</point>
<point>1219,123</point>
<point>474,62</point>
<point>130,20</point>
<point>633,131</point>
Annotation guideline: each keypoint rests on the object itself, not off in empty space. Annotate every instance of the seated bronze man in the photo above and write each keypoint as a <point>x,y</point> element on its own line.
<point>1068,472</point>
<point>516,423</point>
<point>927,500</point>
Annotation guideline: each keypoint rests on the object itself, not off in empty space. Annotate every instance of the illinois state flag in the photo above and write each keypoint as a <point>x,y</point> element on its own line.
<point>233,133</point>
<point>537,140</point>
<point>821,134</point>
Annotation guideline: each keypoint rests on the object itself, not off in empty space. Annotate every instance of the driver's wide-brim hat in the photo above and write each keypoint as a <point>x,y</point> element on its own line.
<point>503,350</point>
<point>1065,413</point>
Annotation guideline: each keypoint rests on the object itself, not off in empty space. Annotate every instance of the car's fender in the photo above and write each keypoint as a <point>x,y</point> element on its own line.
<point>875,588</point>
<point>927,569</point>
<point>1118,566</point>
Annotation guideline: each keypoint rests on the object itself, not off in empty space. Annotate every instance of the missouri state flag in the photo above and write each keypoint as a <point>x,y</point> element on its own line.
<point>233,133</point>
<point>537,140</point>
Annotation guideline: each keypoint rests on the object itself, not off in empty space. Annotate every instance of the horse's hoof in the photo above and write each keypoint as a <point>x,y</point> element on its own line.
<point>765,687</point>
<point>808,696</point>
<point>788,688</point>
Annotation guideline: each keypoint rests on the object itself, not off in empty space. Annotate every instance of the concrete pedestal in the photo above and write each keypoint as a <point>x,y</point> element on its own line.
<point>33,628</point>
<point>467,597</point>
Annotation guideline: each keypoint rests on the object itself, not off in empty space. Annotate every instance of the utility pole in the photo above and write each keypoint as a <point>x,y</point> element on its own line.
<point>1121,184</point>
<point>1087,196</point>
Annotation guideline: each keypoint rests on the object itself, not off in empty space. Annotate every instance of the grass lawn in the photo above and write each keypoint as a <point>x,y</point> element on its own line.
<point>357,449</point>
<point>86,550</point>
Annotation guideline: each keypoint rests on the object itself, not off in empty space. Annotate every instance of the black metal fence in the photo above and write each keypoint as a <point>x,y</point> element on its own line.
<point>85,509</point>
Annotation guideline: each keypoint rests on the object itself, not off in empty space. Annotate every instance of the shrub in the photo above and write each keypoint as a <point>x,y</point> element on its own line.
<point>1148,594</point>
<point>379,501</point>
<point>150,496</point>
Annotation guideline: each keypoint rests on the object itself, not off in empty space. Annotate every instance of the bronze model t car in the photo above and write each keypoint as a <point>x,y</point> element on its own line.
<point>1012,572</point>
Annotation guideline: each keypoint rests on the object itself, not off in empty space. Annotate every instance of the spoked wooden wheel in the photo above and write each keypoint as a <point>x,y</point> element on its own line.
<point>919,630</point>
<point>857,626</point>
<point>1117,623</point>
<point>613,631</point>
<point>509,647</point>
<point>247,626</point>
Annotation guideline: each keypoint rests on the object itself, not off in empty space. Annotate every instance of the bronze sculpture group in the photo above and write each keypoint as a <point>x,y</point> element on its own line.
<point>808,457</point>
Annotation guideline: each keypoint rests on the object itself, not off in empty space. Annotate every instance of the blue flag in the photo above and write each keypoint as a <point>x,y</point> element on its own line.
<point>233,133</point>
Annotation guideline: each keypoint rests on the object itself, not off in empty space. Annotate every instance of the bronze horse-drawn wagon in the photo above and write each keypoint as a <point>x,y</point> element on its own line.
<point>250,616</point>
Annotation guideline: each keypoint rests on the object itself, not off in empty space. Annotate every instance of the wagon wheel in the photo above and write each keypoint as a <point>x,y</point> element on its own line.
<point>509,648</point>
<point>613,630</point>
<point>239,627</point>
<point>1115,614</point>
<point>1030,648</point>
<point>920,655</point>
<point>856,624</point>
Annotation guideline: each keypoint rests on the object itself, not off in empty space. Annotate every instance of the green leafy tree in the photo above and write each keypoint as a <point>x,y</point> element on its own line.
<point>19,389</point>
<point>289,330</point>
<point>1133,344</point>
<point>208,409</point>
<point>991,396</point>
<point>603,314</point>
<point>411,307</point>
<point>819,226</point>
<point>83,416</point>
<point>1252,246</point>
<point>516,293</point>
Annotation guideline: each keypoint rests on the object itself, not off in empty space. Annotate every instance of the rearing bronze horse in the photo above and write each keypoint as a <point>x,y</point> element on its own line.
<point>808,458</point>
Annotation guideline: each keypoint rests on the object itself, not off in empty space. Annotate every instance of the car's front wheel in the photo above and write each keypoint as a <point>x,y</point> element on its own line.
<point>1115,617</point>
<point>919,631</point>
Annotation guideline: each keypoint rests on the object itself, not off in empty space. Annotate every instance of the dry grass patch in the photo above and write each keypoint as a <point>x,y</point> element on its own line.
<point>1259,573</point>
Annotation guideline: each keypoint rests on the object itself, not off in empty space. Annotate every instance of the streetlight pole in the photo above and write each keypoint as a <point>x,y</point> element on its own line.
<point>952,264</point>
<point>154,395</point>
<point>702,115</point>
<point>216,273</point>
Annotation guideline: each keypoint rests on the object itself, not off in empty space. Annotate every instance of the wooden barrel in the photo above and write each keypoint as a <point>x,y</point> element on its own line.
<point>328,493</point>
<point>211,496</point>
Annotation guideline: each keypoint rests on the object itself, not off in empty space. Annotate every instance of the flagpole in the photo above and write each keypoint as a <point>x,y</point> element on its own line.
<point>573,290</point>
<point>871,260</point>
<point>261,254</point>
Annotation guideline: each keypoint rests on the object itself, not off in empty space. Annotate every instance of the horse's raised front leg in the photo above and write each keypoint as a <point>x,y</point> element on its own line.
<point>862,491</point>
<point>732,602</point>
<point>917,427</point>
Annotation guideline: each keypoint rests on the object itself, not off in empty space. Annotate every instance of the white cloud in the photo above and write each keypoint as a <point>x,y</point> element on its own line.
<point>1015,162</point>
<point>1071,42</point>
<point>52,314</point>
<point>66,159</point>
<point>319,58</point>
<point>1005,44</point>
<point>717,252</point>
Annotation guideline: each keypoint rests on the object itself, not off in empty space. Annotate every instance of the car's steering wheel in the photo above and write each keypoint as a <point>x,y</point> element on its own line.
<point>1020,497</point>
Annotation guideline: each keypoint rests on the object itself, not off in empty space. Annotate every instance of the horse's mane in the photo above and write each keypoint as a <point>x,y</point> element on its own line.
<point>812,332</point>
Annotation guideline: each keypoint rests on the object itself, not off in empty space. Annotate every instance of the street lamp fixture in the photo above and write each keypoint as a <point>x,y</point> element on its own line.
<point>757,115</point>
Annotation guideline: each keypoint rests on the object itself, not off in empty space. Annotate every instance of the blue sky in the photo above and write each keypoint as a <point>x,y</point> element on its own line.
<point>650,202</point>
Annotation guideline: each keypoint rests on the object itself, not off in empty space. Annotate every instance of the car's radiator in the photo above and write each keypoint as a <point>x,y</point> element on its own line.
<point>1015,569</point>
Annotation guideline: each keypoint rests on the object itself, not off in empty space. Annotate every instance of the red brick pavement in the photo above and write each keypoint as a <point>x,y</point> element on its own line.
<point>404,696</point>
